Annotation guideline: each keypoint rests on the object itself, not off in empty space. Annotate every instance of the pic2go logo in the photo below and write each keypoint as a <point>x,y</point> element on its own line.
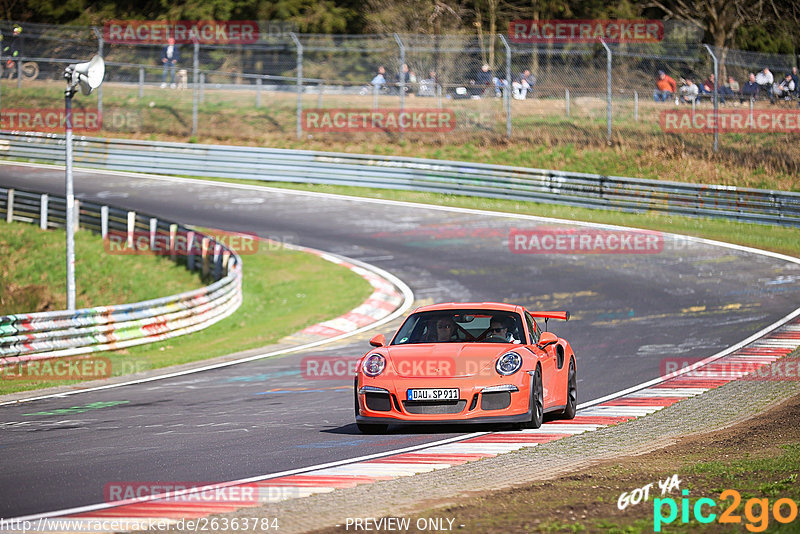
<point>756,511</point>
<point>643,494</point>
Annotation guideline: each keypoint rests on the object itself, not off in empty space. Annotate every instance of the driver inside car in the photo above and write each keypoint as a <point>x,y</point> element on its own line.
<point>498,329</point>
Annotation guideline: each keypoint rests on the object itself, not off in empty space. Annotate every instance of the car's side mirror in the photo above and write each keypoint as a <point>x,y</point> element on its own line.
<point>546,339</point>
<point>378,341</point>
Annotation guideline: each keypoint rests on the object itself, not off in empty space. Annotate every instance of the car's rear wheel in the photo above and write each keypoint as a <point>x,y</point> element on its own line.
<point>537,402</point>
<point>572,392</point>
<point>372,428</point>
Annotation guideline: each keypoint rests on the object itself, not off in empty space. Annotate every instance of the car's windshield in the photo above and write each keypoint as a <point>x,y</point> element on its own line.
<point>477,326</point>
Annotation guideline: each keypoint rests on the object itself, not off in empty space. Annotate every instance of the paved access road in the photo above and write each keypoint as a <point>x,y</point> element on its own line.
<point>630,311</point>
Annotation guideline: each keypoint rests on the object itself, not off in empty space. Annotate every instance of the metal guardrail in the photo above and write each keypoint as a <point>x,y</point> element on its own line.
<point>64,333</point>
<point>413,174</point>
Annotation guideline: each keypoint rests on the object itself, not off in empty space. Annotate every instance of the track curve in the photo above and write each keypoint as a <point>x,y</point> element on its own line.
<point>630,312</point>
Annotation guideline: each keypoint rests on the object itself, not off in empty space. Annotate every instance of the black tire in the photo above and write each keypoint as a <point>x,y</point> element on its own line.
<point>572,392</point>
<point>537,401</point>
<point>372,428</point>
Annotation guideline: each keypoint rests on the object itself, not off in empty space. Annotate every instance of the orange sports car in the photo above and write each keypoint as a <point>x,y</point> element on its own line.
<point>467,363</point>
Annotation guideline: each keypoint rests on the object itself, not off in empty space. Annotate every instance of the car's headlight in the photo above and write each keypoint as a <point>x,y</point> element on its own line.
<point>374,365</point>
<point>509,363</point>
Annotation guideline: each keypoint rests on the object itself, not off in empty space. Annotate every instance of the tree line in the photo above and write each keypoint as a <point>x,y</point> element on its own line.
<point>771,26</point>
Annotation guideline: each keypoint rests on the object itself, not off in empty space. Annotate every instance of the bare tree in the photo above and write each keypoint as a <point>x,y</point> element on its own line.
<point>721,18</point>
<point>413,16</point>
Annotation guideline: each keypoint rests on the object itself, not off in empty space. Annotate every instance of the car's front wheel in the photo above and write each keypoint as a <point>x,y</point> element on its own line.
<point>537,402</point>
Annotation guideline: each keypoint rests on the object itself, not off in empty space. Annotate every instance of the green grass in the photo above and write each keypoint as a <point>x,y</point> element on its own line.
<point>283,292</point>
<point>784,240</point>
<point>33,272</point>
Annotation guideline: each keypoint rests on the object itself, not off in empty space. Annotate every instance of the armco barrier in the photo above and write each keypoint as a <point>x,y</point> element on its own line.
<point>63,333</point>
<point>473,179</point>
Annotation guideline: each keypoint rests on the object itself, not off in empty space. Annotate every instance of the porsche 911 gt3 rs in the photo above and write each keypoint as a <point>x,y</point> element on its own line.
<point>467,363</point>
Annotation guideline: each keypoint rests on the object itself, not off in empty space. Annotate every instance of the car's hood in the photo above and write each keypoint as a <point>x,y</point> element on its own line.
<point>445,359</point>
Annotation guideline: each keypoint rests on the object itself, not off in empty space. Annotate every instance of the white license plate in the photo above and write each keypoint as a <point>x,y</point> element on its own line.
<point>433,394</point>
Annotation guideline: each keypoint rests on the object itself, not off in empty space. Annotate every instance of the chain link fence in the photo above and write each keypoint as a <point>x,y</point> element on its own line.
<point>493,88</point>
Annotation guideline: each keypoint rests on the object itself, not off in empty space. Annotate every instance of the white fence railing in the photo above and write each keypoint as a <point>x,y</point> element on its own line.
<point>33,336</point>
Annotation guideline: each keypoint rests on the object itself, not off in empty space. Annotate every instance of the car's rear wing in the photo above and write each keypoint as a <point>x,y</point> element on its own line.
<point>563,315</point>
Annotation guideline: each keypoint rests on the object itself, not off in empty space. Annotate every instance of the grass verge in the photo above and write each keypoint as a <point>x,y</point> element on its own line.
<point>33,273</point>
<point>283,292</point>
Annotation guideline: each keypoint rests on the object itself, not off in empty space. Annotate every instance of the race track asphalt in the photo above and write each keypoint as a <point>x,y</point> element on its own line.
<point>630,313</point>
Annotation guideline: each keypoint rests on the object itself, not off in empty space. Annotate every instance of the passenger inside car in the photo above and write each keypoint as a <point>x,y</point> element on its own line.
<point>446,329</point>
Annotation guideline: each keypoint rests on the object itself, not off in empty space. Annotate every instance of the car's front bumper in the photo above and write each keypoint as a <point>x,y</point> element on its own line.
<point>499,419</point>
<point>477,402</point>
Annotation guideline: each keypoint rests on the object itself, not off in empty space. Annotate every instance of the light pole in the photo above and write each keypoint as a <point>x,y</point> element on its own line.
<point>88,76</point>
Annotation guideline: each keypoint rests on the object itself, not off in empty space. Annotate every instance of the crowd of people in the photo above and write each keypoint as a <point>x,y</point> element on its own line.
<point>760,85</point>
<point>483,84</point>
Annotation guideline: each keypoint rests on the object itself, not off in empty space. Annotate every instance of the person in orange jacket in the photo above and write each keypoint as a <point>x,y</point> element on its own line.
<point>666,87</point>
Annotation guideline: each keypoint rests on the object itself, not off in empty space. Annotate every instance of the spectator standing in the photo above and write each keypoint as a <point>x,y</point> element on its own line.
<point>666,87</point>
<point>12,50</point>
<point>796,81</point>
<point>750,89</point>
<point>170,56</point>
<point>765,80</point>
